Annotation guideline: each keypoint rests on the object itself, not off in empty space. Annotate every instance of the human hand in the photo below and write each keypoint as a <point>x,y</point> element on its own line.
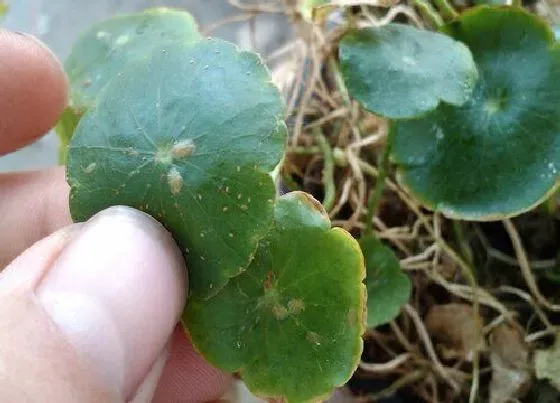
<point>88,312</point>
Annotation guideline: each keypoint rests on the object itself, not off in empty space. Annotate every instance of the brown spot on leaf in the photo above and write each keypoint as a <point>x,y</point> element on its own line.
<point>313,337</point>
<point>296,306</point>
<point>269,280</point>
<point>182,149</point>
<point>279,311</point>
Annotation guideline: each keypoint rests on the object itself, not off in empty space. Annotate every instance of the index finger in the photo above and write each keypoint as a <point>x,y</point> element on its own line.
<point>33,90</point>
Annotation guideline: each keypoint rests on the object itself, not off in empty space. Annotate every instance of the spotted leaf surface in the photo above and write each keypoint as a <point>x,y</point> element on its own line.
<point>292,323</point>
<point>188,136</point>
<point>110,46</point>
<point>398,71</point>
<point>107,48</point>
<point>499,154</point>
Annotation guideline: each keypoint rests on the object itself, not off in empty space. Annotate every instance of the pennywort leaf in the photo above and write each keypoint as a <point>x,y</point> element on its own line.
<point>388,288</point>
<point>499,154</point>
<point>190,137</point>
<point>292,323</point>
<point>399,71</point>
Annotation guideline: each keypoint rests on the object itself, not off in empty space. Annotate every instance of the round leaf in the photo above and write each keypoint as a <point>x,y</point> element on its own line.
<point>388,288</point>
<point>499,154</point>
<point>188,136</point>
<point>112,45</point>
<point>398,71</point>
<point>292,323</point>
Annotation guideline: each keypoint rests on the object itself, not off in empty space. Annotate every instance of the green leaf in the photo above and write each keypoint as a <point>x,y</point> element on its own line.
<point>292,323</point>
<point>3,10</point>
<point>112,45</point>
<point>388,288</point>
<point>189,136</point>
<point>65,129</point>
<point>398,71</point>
<point>499,154</point>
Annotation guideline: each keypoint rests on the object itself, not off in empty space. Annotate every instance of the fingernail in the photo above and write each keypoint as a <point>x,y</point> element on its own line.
<point>116,292</point>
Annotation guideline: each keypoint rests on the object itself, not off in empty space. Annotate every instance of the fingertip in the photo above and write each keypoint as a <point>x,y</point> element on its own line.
<point>117,291</point>
<point>187,377</point>
<point>34,90</point>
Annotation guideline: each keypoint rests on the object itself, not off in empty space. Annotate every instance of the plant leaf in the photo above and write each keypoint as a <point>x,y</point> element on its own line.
<point>388,288</point>
<point>65,129</point>
<point>188,136</point>
<point>398,71</point>
<point>110,46</point>
<point>107,48</point>
<point>547,364</point>
<point>292,323</point>
<point>3,9</point>
<point>499,154</point>
<point>511,365</point>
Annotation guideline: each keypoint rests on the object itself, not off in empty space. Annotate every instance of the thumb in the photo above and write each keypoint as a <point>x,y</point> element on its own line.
<point>86,314</point>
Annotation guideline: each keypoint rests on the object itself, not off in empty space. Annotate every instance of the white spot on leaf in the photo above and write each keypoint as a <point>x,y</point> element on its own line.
<point>90,168</point>
<point>122,40</point>
<point>182,149</point>
<point>175,181</point>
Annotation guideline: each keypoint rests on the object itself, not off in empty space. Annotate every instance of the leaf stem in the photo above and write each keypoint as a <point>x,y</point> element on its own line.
<point>446,9</point>
<point>375,194</point>
<point>328,170</point>
<point>429,12</point>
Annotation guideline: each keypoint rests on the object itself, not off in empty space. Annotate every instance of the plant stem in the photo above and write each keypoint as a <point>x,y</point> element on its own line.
<point>340,82</point>
<point>304,150</point>
<point>429,12</point>
<point>375,194</point>
<point>466,269</point>
<point>446,9</point>
<point>462,242</point>
<point>328,170</point>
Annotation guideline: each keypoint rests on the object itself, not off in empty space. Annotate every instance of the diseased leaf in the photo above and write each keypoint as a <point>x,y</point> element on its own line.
<point>108,48</point>
<point>398,71</point>
<point>499,154</point>
<point>189,136</point>
<point>457,330</point>
<point>511,366</point>
<point>292,323</point>
<point>112,45</point>
<point>388,288</point>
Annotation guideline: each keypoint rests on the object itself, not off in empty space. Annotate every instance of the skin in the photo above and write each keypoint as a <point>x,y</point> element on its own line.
<point>63,289</point>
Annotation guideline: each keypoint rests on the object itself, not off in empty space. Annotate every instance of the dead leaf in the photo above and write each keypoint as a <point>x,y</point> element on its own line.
<point>547,364</point>
<point>511,366</point>
<point>456,330</point>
